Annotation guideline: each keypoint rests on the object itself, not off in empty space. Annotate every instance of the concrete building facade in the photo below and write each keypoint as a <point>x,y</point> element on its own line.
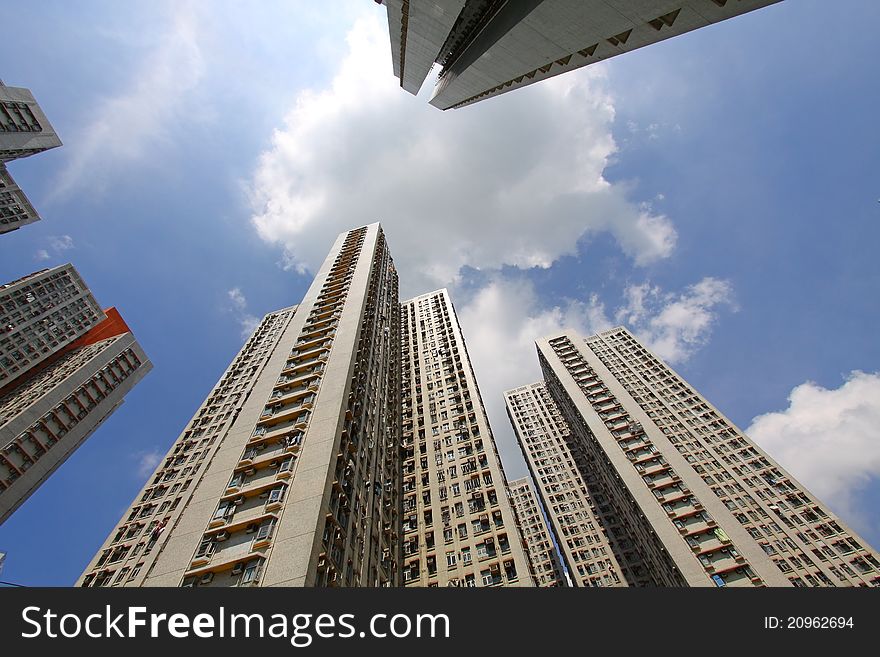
<point>301,485</point>
<point>24,131</point>
<point>579,521</point>
<point>301,467</point>
<point>40,314</point>
<point>65,366</point>
<point>490,47</point>
<point>458,524</point>
<point>696,502</point>
<point>129,553</point>
<point>544,561</point>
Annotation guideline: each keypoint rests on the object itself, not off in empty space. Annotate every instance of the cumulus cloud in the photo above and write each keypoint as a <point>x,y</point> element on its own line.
<point>129,126</point>
<point>239,307</point>
<point>58,244</point>
<point>502,320</point>
<point>511,181</point>
<point>828,440</point>
<point>147,462</point>
<point>674,325</point>
<point>501,323</point>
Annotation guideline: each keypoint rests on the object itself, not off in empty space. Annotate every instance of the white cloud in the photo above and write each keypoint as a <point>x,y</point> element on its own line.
<point>828,440</point>
<point>515,180</point>
<point>674,325</point>
<point>59,243</point>
<point>239,307</point>
<point>503,319</point>
<point>237,298</point>
<point>147,462</point>
<point>500,324</point>
<point>131,125</point>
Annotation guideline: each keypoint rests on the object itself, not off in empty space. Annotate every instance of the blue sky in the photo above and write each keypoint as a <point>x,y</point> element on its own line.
<point>716,192</point>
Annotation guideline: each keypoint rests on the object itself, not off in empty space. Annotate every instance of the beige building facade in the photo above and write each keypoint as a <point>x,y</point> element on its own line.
<point>65,366</point>
<point>556,464</point>
<point>458,524</point>
<point>543,559</point>
<point>301,486</point>
<point>486,48</point>
<point>24,131</point>
<point>696,502</point>
<point>308,464</point>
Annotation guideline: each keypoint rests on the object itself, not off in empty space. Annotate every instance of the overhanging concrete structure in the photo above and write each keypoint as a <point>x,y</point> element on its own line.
<point>489,47</point>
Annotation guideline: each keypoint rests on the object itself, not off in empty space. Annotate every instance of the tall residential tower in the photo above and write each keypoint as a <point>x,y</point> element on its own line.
<point>24,131</point>
<point>289,474</point>
<point>308,463</point>
<point>685,497</point>
<point>65,366</point>
<point>556,464</point>
<point>489,47</point>
<point>458,525</point>
<point>543,558</point>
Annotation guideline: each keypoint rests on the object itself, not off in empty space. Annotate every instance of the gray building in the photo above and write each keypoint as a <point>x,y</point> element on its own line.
<point>490,47</point>
<point>40,314</point>
<point>129,554</point>
<point>579,521</point>
<point>296,469</point>
<point>65,366</point>
<point>543,558</point>
<point>686,498</point>
<point>289,473</point>
<point>24,131</point>
<point>459,528</point>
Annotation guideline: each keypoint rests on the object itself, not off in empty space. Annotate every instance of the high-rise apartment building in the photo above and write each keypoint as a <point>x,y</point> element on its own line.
<point>289,473</point>
<point>65,366</point>
<point>41,314</point>
<point>24,130</point>
<point>296,469</point>
<point>543,558</point>
<point>489,47</point>
<point>458,525</point>
<point>556,463</point>
<point>685,497</point>
<point>129,553</point>
<point>15,208</point>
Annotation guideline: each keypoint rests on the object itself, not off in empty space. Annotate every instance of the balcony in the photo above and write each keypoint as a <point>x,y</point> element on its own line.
<point>293,416</point>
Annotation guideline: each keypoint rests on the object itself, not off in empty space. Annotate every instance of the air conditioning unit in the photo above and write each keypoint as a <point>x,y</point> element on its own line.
<point>264,495</point>
<point>238,568</point>
<point>221,536</point>
<point>250,471</point>
<point>238,501</point>
<point>250,529</point>
<point>206,578</point>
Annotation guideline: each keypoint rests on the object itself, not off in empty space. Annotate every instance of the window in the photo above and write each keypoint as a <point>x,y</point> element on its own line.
<point>225,510</point>
<point>251,570</point>
<point>206,548</point>
<point>265,530</point>
<point>451,559</point>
